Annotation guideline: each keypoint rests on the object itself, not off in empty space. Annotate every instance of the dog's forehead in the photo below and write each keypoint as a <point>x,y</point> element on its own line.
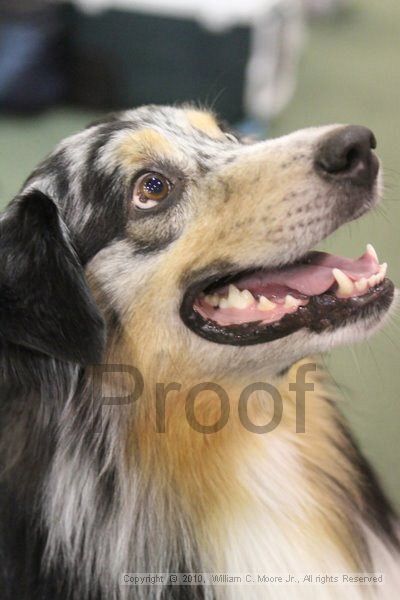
<point>188,136</point>
<point>185,121</point>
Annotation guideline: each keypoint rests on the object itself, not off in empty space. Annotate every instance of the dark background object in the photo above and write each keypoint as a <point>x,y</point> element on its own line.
<point>32,55</point>
<point>121,59</point>
<point>115,59</point>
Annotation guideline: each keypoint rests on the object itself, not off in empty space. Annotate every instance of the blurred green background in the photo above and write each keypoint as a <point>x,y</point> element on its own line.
<point>350,73</point>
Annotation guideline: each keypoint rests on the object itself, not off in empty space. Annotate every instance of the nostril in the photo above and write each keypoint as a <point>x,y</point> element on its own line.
<point>338,160</point>
<point>346,154</point>
<point>352,157</point>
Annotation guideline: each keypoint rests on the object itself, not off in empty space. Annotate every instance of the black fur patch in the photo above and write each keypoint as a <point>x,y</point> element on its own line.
<point>45,303</point>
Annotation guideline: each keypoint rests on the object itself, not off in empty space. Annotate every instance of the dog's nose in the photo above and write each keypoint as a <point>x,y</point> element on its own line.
<point>345,155</point>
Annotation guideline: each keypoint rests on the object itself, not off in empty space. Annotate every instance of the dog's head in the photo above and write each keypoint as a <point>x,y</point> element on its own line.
<point>196,245</point>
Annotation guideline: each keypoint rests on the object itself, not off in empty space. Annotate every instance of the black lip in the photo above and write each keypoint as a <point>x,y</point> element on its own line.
<point>322,313</point>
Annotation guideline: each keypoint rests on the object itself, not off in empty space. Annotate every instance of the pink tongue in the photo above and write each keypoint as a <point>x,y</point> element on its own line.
<point>313,278</point>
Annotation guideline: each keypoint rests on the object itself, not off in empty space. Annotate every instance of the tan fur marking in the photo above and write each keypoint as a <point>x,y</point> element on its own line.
<point>139,145</point>
<point>206,470</point>
<point>205,122</point>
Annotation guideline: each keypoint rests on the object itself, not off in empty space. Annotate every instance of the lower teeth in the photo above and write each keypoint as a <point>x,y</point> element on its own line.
<point>241,299</point>
<point>244,299</point>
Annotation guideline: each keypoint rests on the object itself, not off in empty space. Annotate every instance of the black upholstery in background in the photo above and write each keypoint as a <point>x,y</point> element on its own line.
<point>122,59</point>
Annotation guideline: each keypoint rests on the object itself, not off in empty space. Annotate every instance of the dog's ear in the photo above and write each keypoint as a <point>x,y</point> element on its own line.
<point>45,302</point>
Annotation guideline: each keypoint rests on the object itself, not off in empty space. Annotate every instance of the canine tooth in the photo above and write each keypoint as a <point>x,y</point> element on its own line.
<point>291,302</point>
<point>346,286</point>
<point>361,284</point>
<point>371,250</point>
<point>212,299</point>
<point>265,304</point>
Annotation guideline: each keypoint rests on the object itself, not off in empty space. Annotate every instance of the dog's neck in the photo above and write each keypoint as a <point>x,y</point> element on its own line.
<point>254,460</point>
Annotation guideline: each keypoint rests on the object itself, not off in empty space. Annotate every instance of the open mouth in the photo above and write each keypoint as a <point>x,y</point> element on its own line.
<point>320,292</point>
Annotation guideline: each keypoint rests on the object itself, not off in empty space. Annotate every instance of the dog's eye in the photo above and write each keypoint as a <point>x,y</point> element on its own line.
<point>150,189</point>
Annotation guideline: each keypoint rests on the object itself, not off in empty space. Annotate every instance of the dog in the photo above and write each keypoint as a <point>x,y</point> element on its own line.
<point>159,297</point>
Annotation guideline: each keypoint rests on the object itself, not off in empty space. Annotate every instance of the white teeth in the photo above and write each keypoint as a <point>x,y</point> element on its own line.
<point>239,299</point>
<point>371,250</point>
<point>247,297</point>
<point>361,284</point>
<point>291,302</point>
<point>382,270</point>
<point>212,300</point>
<point>265,304</point>
<point>373,280</point>
<point>223,303</point>
<point>346,286</point>
<point>378,277</point>
<point>236,298</point>
<point>233,299</point>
